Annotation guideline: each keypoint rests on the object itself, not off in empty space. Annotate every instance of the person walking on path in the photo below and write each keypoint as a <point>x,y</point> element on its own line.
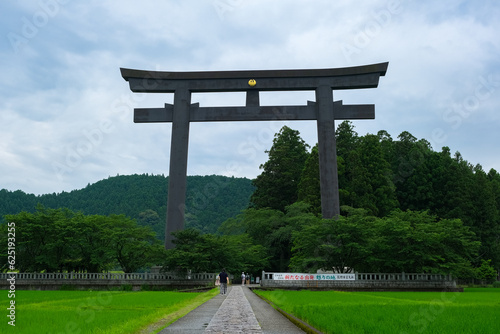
<point>223,281</point>
<point>242,278</point>
<point>217,281</point>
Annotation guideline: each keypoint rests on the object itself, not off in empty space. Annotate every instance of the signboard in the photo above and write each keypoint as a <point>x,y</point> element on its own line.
<point>313,277</point>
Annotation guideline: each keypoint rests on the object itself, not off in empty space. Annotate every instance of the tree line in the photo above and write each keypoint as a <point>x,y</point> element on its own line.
<point>382,175</point>
<point>210,200</point>
<point>404,207</point>
<point>298,240</point>
<point>60,240</point>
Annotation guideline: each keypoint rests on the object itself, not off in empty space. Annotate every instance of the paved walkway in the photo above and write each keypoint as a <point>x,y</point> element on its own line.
<point>238,311</point>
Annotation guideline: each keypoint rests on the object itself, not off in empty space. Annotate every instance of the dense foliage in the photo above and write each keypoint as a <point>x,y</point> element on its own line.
<point>210,200</point>
<point>58,240</point>
<point>403,241</point>
<point>405,208</point>
<point>408,241</point>
<point>276,187</point>
<point>381,175</point>
<point>211,253</point>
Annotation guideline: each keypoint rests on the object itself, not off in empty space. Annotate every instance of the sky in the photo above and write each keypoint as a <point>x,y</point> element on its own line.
<point>66,114</point>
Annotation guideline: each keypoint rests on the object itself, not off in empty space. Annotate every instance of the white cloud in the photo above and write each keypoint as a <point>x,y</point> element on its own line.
<point>63,101</point>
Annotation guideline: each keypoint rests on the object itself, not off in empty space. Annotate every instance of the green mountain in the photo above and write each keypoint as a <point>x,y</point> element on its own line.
<point>210,200</point>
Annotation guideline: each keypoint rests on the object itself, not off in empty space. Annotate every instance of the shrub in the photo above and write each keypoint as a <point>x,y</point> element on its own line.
<point>496,284</point>
<point>486,272</point>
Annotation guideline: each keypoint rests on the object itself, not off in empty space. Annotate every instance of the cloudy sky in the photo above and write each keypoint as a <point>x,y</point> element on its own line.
<point>66,114</point>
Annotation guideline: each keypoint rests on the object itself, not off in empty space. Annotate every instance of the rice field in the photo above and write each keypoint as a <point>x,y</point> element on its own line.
<point>88,312</point>
<point>473,311</point>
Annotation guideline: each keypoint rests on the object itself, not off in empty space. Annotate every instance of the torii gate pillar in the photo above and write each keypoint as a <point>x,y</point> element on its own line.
<point>178,164</point>
<point>327,148</point>
<point>325,111</point>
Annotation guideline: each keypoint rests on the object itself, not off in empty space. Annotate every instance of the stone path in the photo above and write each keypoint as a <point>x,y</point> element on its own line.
<point>239,311</point>
<point>235,315</point>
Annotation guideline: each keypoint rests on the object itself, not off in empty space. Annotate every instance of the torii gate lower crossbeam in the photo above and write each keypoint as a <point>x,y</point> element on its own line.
<point>325,111</point>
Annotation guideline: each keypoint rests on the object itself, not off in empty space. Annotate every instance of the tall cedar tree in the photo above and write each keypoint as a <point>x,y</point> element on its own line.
<point>347,142</point>
<point>309,185</point>
<point>276,187</point>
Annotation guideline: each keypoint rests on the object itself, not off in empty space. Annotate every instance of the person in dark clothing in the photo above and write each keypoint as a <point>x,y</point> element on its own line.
<point>224,278</point>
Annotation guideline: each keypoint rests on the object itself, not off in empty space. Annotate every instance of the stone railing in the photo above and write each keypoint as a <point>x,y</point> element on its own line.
<point>111,276</point>
<point>360,281</point>
<point>402,277</point>
<point>137,281</point>
<point>381,277</point>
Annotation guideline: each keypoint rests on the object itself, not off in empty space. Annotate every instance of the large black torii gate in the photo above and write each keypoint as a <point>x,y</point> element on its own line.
<point>325,111</point>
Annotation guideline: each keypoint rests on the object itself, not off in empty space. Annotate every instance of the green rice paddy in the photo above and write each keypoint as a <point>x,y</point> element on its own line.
<point>88,312</point>
<point>473,311</point>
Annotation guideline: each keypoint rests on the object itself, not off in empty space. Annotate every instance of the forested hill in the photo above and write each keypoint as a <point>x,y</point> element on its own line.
<point>210,200</point>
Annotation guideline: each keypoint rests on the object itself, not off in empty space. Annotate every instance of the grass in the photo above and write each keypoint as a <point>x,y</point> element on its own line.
<point>91,312</point>
<point>473,311</point>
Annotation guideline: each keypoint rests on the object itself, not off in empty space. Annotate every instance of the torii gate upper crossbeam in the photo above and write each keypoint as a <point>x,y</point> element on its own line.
<point>270,80</point>
<point>325,111</point>
<point>264,113</point>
